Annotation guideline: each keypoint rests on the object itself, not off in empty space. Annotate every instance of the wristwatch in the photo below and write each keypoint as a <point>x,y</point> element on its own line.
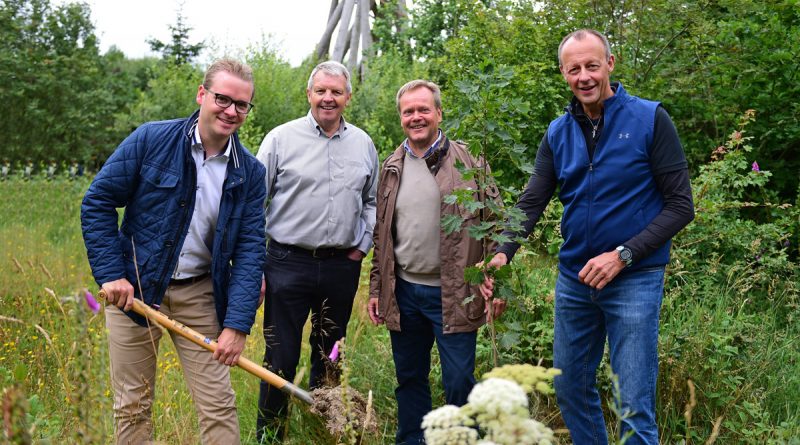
<point>625,255</point>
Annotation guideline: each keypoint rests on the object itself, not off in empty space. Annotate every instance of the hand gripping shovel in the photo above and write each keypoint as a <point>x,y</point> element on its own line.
<point>179,328</point>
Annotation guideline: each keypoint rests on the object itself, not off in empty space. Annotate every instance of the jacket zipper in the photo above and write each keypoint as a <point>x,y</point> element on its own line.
<point>189,200</point>
<point>589,211</point>
<point>590,154</point>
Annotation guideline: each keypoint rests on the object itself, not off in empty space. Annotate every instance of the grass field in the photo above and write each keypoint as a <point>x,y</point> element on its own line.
<point>53,355</point>
<point>743,359</point>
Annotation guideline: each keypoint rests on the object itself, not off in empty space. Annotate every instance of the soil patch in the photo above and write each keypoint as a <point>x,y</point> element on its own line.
<point>338,411</point>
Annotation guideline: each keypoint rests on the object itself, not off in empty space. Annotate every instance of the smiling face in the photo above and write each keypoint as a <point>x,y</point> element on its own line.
<point>420,118</point>
<point>217,124</point>
<point>587,71</point>
<point>328,97</point>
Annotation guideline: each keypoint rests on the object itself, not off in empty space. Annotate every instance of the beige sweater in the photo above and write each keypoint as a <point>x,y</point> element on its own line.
<point>416,224</point>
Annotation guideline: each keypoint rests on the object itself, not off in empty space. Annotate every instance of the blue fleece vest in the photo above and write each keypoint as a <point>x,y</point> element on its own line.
<point>614,197</point>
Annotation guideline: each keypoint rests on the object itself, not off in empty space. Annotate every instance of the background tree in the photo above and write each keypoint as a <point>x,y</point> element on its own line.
<point>179,50</point>
<point>352,21</point>
<point>54,77</point>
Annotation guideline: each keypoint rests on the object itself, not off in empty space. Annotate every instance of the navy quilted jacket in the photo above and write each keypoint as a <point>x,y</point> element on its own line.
<point>153,176</point>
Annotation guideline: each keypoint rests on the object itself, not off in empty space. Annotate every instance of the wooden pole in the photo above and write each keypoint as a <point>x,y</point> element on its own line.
<point>354,35</point>
<point>344,27</point>
<point>333,18</point>
<point>199,339</point>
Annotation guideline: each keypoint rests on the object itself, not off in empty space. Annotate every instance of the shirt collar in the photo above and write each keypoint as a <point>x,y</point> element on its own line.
<point>576,108</point>
<point>313,122</point>
<point>197,144</point>
<point>430,149</point>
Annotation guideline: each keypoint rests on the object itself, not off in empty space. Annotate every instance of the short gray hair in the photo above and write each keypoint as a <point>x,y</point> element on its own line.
<point>333,68</point>
<point>582,34</point>
<point>420,83</point>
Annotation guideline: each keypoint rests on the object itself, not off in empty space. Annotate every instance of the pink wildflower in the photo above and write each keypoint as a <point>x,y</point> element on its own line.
<point>334,352</point>
<point>94,306</point>
<point>755,167</point>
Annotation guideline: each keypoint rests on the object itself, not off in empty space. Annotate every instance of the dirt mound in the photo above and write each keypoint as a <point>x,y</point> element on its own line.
<point>338,411</point>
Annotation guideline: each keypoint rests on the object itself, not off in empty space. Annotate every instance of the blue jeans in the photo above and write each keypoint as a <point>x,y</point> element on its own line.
<point>627,312</point>
<point>421,324</point>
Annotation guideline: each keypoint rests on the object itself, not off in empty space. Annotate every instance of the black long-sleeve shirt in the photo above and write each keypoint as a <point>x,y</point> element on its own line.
<point>670,171</point>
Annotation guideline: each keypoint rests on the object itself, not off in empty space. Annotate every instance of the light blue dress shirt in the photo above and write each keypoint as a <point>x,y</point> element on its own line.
<point>195,256</point>
<point>320,190</point>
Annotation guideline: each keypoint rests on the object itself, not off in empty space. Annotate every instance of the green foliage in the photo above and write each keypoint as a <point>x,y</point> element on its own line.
<point>170,93</point>
<point>53,80</point>
<point>280,93</point>
<point>499,79</point>
<point>736,223</point>
<point>706,61</point>
<point>731,306</point>
<point>435,22</point>
<point>391,30</point>
<point>373,107</point>
<point>525,331</point>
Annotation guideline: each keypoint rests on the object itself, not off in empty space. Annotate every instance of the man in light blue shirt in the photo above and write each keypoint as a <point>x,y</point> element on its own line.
<point>322,174</point>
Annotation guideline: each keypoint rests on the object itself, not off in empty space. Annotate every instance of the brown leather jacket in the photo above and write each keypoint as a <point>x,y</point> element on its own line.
<point>458,250</point>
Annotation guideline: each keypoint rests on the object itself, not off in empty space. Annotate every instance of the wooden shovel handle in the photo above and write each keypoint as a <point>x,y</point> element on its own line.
<point>195,337</point>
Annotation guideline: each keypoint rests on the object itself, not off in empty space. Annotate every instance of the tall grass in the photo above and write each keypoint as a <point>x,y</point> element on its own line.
<point>53,351</point>
<point>739,348</point>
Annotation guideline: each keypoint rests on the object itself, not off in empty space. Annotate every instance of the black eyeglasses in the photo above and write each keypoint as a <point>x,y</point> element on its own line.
<point>224,102</point>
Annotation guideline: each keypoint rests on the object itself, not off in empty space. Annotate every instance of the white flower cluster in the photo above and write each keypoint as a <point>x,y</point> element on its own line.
<point>448,426</point>
<point>457,435</point>
<point>496,409</point>
<point>445,417</point>
<point>494,399</point>
<point>518,430</point>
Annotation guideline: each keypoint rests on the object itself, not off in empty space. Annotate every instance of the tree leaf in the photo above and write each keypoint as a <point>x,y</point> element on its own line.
<point>473,275</point>
<point>451,223</point>
<point>509,339</point>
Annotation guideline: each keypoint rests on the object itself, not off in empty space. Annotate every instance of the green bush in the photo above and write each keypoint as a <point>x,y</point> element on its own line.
<point>280,94</point>
<point>373,107</point>
<point>729,319</point>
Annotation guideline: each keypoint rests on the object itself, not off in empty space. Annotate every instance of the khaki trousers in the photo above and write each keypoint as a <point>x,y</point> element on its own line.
<point>134,349</point>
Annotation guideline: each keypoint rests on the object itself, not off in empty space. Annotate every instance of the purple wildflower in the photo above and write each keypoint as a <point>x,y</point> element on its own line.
<point>94,306</point>
<point>334,352</point>
<point>755,167</point>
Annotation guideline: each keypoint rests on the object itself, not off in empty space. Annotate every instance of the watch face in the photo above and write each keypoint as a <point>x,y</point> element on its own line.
<point>625,254</point>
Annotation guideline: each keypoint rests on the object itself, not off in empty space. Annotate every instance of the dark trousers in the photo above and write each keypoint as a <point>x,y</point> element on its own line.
<point>299,282</point>
<point>421,324</point>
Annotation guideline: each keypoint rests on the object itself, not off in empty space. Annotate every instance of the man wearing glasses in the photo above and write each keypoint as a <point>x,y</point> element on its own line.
<point>321,177</point>
<point>191,244</point>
